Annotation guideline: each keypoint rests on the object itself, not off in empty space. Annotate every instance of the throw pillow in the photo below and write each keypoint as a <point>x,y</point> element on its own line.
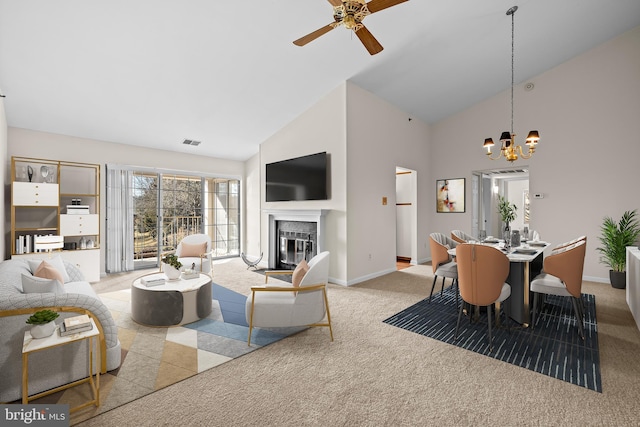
<point>299,273</point>
<point>32,284</point>
<point>187,250</point>
<point>48,271</point>
<point>56,261</point>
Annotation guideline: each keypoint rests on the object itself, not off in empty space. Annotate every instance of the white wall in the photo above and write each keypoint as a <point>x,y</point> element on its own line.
<point>366,138</point>
<point>321,128</point>
<point>29,143</point>
<point>380,138</point>
<point>250,211</point>
<point>586,164</point>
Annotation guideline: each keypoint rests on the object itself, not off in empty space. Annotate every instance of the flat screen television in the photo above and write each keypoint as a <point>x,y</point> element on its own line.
<point>301,178</point>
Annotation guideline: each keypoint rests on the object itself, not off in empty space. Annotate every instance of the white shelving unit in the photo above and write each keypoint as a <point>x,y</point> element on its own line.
<point>42,192</point>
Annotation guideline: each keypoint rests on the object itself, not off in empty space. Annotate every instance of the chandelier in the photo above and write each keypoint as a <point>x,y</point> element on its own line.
<point>509,150</point>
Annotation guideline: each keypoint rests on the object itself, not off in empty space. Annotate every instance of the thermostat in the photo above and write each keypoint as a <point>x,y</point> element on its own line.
<point>538,196</point>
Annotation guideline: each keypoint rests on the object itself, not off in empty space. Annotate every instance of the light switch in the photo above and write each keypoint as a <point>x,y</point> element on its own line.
<point>384,201</point>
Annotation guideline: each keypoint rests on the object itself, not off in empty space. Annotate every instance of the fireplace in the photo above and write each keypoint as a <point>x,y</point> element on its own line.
<point>297,240</point>
<point>294,235</point>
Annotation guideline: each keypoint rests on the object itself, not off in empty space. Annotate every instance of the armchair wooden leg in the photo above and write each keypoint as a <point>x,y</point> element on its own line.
<point>326,305</point>
<point>253,300</point>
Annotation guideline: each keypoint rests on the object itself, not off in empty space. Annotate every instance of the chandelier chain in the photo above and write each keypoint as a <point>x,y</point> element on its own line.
<point>512,64</point>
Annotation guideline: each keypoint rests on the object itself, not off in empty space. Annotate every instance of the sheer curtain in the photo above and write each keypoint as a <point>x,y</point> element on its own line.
<point>119,219</point>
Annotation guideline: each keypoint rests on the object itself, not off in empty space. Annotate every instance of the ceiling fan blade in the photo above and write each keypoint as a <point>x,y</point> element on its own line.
<point>369,42</point>
<point>377,5</point>
<point>335,3</point>
<point>312,36</point>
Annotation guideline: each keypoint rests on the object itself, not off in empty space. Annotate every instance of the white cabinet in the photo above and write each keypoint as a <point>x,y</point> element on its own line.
<point>79,225</point>
<point>633,282</point>
<point>35,194</point>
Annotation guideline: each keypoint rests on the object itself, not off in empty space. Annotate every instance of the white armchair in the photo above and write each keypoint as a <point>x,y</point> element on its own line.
<point>290,305</point>
<point>195,249</point>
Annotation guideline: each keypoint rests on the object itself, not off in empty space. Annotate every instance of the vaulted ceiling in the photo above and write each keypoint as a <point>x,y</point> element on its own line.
<point>226,73</point>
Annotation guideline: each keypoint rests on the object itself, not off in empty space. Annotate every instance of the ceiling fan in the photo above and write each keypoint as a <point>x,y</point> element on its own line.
<point>350,14</point>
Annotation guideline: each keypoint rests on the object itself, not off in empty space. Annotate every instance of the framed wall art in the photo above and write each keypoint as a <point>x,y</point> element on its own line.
<point>450,195</point>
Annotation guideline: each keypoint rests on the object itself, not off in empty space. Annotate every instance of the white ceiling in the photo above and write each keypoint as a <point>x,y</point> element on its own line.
<point>154,72</point>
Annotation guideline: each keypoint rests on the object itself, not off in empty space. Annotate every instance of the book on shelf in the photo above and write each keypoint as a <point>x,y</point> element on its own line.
<point>77,209</point>
<point>76,322</point>
<point>153,280</point>
<point>65,332</point>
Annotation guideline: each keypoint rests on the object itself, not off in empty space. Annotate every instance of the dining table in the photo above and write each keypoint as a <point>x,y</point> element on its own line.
<point>525,262</point>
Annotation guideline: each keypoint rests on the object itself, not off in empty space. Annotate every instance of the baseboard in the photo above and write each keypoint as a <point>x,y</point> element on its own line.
<point>596,279</point>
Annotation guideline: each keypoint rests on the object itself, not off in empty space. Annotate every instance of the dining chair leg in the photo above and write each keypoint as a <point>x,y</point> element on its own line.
<point>455,281</point>
<point>578,318</point>
<point>442,288</point>
<point>489,326</point>
<point>455,336</point>
<point>534,311</point>
<point>507,313</point>
<point>433,285</point>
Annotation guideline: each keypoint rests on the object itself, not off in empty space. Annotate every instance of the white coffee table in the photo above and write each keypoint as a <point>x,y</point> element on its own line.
<point>176,302</point>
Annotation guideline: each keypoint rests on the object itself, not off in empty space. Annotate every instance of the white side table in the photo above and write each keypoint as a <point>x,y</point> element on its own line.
<point>31,345</point>
<point>633,282</point>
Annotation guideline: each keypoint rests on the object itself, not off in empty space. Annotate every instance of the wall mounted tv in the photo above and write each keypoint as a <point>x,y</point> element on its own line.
<point>301,178</point>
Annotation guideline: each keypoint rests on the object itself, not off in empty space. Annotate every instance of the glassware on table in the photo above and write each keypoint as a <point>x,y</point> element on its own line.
<point>515,238</point>
<point>482,235</point>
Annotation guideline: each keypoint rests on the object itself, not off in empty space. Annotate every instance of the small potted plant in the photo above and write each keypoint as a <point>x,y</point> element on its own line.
<point>508,214</point>
<point>171,266</point>
<point>615,237</point>
<point>43,323</point>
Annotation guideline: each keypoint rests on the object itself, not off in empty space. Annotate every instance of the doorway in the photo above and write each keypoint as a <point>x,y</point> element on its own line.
<point>406,217</point>
<point>487,185</point>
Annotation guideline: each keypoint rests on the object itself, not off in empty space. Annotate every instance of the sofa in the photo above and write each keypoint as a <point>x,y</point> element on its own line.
<point>59,365</point>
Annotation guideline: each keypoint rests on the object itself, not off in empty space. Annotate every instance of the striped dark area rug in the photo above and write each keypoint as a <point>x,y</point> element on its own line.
<point>552,348</point>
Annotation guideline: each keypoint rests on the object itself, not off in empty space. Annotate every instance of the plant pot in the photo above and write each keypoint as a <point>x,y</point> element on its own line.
<point>44,330</point>
<point>171,272</point>
<point>618,279</point>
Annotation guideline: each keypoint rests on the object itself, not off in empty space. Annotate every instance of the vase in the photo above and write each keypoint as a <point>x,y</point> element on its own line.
<point>44,330</point>
<point>506,235</point>
<point>170,271</point>
<point>618,279</point>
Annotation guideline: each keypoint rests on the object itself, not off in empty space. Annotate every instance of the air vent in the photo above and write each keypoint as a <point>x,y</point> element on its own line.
<point>191,142</point>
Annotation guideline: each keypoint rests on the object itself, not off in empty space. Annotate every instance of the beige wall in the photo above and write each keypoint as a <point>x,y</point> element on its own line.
<point>44,145</point>
<point>587,111</point>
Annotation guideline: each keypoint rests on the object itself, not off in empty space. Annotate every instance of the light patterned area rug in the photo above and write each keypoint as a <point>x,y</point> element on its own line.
<point>156,357</point>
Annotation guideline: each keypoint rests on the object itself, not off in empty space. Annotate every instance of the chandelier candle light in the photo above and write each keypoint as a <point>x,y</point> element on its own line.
<point>509,149</point>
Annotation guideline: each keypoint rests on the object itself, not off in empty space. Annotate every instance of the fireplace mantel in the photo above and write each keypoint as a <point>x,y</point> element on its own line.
<point>307,215</point>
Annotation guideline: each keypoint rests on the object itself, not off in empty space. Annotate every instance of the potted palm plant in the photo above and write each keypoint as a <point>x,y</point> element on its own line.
<point>615,237</point>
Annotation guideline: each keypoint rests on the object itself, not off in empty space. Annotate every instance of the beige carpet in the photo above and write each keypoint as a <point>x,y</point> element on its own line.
<point>375,374</point>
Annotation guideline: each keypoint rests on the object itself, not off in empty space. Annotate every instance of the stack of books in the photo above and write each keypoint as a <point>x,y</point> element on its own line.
<point>190,274</point>
<point>153,280</point>
<point>77,209</point>
<point>74,325</point>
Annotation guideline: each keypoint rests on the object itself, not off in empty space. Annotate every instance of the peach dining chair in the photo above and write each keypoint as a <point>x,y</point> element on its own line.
<point>563,277</point>
<point>482,271</point>
<point>462,237</point>
<point>441,261</point>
